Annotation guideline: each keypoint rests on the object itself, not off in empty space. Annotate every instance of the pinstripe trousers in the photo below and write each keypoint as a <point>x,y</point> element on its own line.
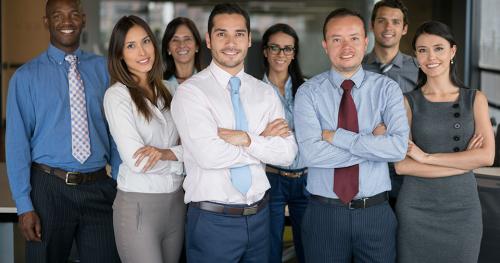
<point>337,234</point>
<point>82,212</point>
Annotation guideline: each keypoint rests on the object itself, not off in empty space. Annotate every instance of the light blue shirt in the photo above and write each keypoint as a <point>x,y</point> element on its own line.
<point>287,102</point>
<point>39,120</point>
<point>378,99</point>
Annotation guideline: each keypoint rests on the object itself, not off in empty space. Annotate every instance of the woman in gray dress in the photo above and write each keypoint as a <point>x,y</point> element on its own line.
<point>438,207</point>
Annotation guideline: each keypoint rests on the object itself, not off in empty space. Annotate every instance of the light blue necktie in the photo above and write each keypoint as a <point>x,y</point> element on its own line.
<point>241,177</point>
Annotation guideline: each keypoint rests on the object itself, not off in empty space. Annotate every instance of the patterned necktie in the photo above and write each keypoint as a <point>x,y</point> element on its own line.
<point>80,141</point>
<point>241,177</point>
<point>385,67</point>
<point>346,179</point>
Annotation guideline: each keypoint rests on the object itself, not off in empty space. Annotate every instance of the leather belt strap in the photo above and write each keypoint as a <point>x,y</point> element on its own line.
<point>286,173</point>
<point>354,204</point>
<point>231,210</point>
<point>72,178</point>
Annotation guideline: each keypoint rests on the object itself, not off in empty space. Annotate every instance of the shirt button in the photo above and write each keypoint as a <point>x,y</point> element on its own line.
<point>456,138</point>
<point>457,114</point>
<point>455,105</point>
<point>456,149</point>
<point>457,125</point>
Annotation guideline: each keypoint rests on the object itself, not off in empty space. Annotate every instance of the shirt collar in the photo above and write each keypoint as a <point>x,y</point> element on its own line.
<point>288,84</point>
<point>222,76</point>
<point>337,79</point>
<point>58,55</point>
<point>371,58</point>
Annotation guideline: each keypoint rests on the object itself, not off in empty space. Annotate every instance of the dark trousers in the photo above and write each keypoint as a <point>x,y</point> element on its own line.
<point>396,183</point>
<point>82,213</point>
<point>337,234</point>
<point>291,192</point>
<point>218,238</point>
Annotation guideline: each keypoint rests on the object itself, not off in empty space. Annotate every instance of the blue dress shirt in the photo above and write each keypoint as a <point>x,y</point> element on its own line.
<point>39,119</point>
<point>287,102</point>
<point>378,99</point>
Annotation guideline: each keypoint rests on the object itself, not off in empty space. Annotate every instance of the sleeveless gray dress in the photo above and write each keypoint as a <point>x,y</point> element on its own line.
<point>440,219</point>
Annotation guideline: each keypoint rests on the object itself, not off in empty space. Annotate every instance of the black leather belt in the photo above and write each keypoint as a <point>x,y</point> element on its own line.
<point>286,173</point>
<point>232,210</point>
<point>354,204</point>
<point>72,178</point>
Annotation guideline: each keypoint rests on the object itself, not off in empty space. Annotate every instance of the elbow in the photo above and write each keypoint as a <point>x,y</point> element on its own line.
<point>489,160</point>
<point>400,168</point>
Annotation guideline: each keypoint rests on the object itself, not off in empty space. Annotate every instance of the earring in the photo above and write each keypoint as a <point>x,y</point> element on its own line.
<point>170,53</point>
<point>196,51</point>
<point>452,61</point>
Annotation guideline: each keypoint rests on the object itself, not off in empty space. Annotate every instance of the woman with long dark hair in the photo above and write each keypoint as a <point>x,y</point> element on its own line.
<point>280,48</point>
<point>148,212</point>
<point>438,207</point>
<point>181,50</point>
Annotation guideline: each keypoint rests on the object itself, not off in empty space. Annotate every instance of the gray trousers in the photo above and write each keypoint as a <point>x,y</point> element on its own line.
<point>149,227</point>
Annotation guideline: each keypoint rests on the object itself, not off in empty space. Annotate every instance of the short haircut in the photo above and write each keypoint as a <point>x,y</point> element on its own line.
<point>227,8</point>
<point>342,12</point>
<point>391,4</point>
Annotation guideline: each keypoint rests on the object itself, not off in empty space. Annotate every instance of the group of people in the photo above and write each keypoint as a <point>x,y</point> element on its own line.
<point>208,158</point>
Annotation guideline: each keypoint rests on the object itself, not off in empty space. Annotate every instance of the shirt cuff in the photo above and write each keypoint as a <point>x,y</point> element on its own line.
<point>343,138</point>
<point>24,205</point>
<point>255,141</point>
<point>178,152</point>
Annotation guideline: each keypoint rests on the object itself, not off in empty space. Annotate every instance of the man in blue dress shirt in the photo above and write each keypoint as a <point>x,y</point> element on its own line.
<point>349,123</point>
<point>58,144</point>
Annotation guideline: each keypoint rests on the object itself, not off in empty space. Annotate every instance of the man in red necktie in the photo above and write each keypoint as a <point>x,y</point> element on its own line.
<point>349,124</point>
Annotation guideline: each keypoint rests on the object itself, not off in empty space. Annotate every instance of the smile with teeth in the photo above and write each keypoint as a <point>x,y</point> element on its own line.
<point>347,56</point>
<point>280,61</point>
<point>144,61</point>
<point>432,65</point>
<point>183,52</point>
<point>230,52</point>
<point>387,35</point>
<point>67,31</point>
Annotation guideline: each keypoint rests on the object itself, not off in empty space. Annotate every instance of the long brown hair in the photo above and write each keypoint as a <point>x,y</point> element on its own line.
<point>119,71</point>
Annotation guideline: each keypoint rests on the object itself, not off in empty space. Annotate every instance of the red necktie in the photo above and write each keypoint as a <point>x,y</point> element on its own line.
<point>346,179</point>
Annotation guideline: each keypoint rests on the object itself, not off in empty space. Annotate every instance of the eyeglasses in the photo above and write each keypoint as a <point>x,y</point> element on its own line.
<point>275,50</point>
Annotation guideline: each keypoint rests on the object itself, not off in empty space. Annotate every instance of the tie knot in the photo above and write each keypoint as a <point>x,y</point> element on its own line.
<point>71,59</point>
<point>235,82</point>
<point>347,85</point>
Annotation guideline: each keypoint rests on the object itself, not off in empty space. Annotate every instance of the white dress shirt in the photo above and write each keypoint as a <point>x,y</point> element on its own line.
<point>131,131</point>
<point>201,105</point>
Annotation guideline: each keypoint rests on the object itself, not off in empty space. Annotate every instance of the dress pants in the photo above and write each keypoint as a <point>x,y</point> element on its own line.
<point>336,234</point>
<point>214,237</point>
<point>292,192</point>
<point>81,212</point>
<point>149,227</point>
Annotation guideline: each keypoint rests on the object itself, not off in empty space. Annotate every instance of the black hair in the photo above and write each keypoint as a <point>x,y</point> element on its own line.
<point>442,30</point>
<point>294,68</point>
<point>227,8</point>
<point>391,4</point>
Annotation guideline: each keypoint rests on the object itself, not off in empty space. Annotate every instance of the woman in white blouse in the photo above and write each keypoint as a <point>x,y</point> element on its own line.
<point>148,212</point>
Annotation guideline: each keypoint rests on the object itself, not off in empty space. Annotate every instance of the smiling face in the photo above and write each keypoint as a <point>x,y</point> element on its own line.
<point>279,62</point>
<point>345,44</point>
<point>65,20</point>
<point>183,46</point>
<point>388,27</point>
<point>434,54</point>
<point>138,52</point>
<point>229,41</point>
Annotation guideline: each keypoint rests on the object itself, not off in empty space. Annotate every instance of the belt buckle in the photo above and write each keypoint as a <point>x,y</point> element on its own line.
<point>248,211</point>
<point>67,181</point>
<point>364,203</point>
